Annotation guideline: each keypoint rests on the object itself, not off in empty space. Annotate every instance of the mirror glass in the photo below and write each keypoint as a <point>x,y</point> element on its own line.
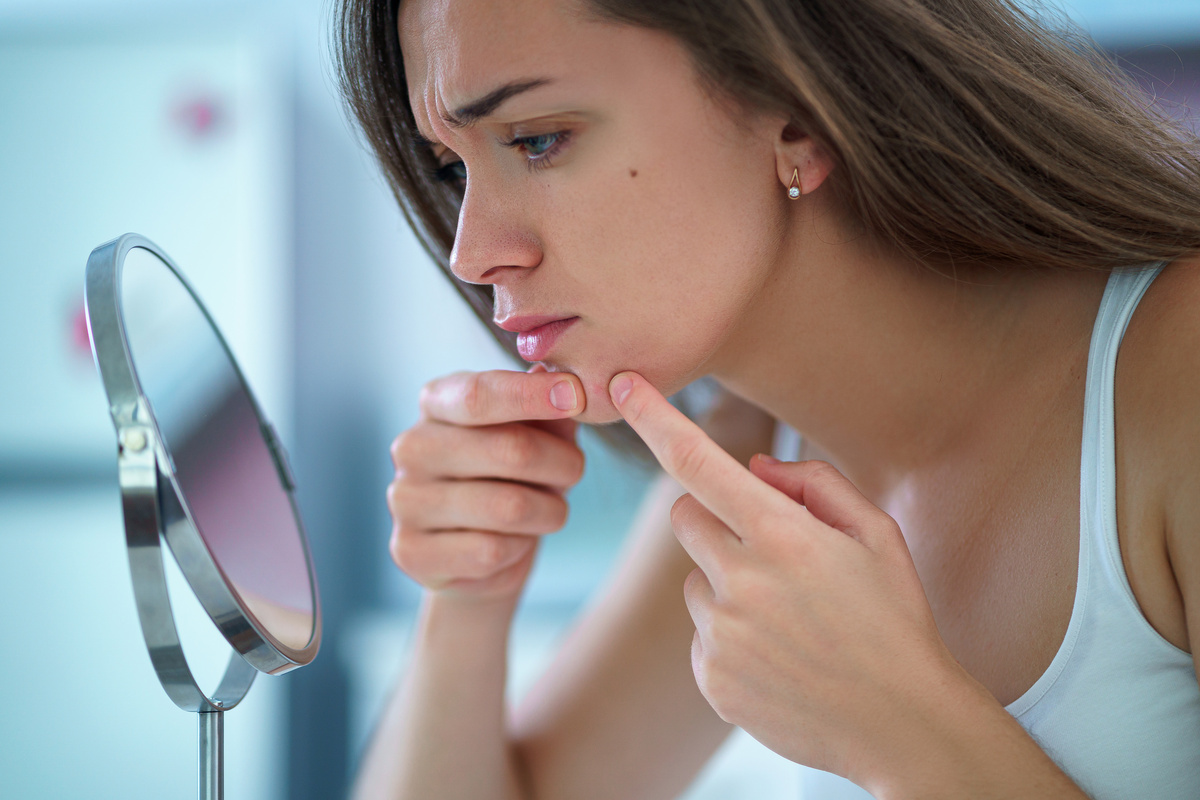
<point>233,483</point>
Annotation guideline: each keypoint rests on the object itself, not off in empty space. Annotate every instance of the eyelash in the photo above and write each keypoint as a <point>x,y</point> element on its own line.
<point>447,172</point>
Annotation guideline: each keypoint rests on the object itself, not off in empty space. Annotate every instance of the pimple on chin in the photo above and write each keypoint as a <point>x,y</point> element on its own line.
<point>599,390</point>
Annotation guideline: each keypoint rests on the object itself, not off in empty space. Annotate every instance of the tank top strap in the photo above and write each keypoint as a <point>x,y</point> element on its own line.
<point>1098,478</point>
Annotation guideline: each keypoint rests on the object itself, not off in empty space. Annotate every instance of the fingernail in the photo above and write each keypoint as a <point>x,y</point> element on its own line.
<point>562,396</point>
<point>620,388</point>
<point>768,459</point>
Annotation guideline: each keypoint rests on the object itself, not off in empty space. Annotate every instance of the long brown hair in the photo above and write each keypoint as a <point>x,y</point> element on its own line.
<point>966,131</point>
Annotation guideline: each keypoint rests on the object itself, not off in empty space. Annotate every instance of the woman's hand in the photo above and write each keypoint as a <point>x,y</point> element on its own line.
<point>813,632</point>
<point>481,476</point>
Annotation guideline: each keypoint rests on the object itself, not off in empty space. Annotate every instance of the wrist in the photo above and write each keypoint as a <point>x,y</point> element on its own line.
<point>442,609</point>
<point>966,744</point>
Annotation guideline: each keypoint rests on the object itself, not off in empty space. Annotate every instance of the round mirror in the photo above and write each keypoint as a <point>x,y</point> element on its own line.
<point>224,459</point>
<point>201,468</point>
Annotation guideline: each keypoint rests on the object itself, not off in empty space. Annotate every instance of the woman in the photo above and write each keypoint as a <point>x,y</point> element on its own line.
<point>916,232</point>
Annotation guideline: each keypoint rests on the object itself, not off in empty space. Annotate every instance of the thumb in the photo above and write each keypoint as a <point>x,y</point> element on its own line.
<point>826,493</point>
<point>562,428</point>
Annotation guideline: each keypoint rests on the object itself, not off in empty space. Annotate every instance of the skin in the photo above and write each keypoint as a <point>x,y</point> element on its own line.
<point>940,528</point>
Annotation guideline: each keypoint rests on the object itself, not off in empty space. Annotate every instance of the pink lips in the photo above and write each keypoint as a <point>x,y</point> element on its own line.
<point>536,335</point>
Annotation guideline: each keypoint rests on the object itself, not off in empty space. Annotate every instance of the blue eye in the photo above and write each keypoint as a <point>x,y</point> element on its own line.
<point>540,148</point>
<point>537,145</point>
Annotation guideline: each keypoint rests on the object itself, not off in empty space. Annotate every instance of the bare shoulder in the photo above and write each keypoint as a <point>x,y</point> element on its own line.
<point>1163,360</point>
<point>1159,376</point>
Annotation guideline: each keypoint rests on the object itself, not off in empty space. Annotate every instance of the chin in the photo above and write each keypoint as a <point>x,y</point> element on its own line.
<point>599,409</point>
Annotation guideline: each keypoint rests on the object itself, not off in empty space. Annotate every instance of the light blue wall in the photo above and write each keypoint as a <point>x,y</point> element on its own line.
<point>1117,23</point>
<point>1126,23</point>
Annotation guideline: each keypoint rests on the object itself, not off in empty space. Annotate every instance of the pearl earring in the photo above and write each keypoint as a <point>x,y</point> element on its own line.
<point>794,190</point>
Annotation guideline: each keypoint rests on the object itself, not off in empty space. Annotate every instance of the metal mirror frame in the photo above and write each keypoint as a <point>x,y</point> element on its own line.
<point>154,506</point>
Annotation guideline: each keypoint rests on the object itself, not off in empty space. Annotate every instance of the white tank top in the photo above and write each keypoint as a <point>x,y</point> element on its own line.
<point>1119,707</point>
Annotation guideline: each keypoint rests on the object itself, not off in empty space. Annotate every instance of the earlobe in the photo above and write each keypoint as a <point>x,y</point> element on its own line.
<point>801,163</point>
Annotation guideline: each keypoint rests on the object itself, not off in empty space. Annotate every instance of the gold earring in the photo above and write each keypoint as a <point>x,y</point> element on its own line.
<point>794,191</point>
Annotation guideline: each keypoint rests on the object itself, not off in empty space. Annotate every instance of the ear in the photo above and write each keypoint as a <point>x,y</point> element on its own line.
<point>796,151</point>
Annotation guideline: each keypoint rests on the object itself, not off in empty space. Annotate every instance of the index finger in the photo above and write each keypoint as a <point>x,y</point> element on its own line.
<point>496,396</point>
<point>712,476</point>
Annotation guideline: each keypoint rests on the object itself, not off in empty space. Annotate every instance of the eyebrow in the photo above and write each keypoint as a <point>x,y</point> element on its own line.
<point>467,115</point>
<point>476,110</point>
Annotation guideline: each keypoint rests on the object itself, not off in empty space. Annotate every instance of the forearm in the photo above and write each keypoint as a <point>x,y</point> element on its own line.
<point>443,733</point>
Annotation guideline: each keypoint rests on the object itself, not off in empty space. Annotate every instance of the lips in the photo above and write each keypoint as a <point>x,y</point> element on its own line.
<point>535,342</point>
<point>527,322</point>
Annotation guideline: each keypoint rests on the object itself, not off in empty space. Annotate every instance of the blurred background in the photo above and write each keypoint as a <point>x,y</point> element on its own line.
<point>213,128</point>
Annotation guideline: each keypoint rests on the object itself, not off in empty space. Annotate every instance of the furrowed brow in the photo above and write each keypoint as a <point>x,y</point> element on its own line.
<point>476,110</point>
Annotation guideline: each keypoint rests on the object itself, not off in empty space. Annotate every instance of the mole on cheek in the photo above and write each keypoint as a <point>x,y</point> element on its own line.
<point>633,173</point>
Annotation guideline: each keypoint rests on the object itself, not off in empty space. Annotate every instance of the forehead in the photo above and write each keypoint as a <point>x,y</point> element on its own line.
<point>457,49</point>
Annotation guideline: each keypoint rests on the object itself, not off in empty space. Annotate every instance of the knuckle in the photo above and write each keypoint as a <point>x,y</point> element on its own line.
<point>394,545</point>
<point>395,450</point>
<point>510,506</point>
<point>515,449</point>
<point>712,682</point>
<point>474,396</point>
<point>391,498</point>
<point>576,463</point>
<point>559,512</point>
<point>403,447</point>
<point>400,501</point>
<point>719,692</point>
<point>687,457</point>
<point>890,534</point>
<point>427,399</point>
<point>490,554</point>
<point>532,398</point>
<point>424,398</point>
<point>714,662</point>
<point>822,470</point>
<point>402,548</point>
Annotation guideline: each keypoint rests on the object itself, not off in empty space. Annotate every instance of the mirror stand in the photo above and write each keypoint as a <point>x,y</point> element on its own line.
<point>150,511</point>
<point>212,755</point>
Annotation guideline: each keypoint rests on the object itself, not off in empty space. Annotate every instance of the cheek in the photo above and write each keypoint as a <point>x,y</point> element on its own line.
<point>670,272</point>
<point>664,262</point>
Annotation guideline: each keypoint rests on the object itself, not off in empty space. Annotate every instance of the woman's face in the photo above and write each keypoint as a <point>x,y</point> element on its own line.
<point>609,187</point>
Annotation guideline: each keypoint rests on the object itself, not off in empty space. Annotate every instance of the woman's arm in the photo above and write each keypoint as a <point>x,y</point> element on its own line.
<point>442,734</point>
<point>617,715</point>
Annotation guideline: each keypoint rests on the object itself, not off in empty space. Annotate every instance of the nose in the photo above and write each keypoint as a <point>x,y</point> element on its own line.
<point>493,242</point>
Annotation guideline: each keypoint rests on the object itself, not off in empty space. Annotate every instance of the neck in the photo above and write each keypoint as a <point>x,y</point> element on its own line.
<point>891,367</point>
